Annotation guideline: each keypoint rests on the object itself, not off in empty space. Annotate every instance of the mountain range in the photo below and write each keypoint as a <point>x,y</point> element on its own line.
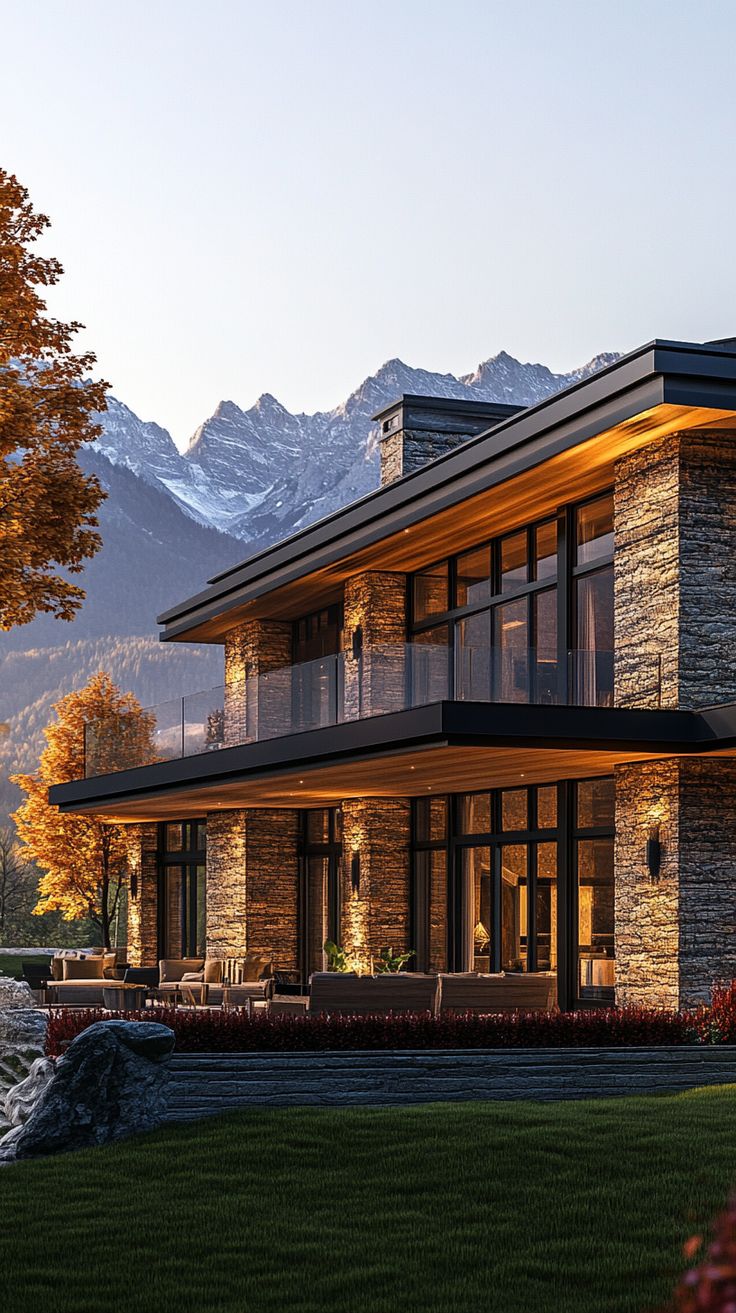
<point>173,519</point>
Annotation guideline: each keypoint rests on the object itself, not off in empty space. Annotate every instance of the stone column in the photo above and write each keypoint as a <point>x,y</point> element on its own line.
<point>142,841</point>
<point>255,707</point>
<point>375,612</point>
<point>226,883</point>
<point>675,571</point>
<point>253,883</point>
<point>675,932</point>
<point>376,914</point>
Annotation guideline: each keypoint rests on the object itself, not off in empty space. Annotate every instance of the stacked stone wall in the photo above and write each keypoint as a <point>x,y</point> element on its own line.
<point>411,449</point>
<point>257,708</point>
<point>226,883</point>
<point>142,842</point>
<point>377,914</point>
<point>375,682</point>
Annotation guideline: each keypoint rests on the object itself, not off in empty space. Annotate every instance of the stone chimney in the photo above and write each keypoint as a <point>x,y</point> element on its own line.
<point>416,430</point>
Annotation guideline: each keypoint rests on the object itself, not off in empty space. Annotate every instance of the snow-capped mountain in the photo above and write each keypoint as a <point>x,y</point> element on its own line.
<point>261,473</point>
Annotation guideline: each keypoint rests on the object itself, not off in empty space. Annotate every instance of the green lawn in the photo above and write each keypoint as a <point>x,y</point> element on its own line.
<point>454,1208</point>
<point>12,964</point>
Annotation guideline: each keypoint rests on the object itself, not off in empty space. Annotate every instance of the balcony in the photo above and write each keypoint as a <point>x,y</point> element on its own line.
<point>342,688</point>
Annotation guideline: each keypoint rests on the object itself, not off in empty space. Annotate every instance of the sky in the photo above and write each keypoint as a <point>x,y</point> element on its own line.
<point>278,196</point>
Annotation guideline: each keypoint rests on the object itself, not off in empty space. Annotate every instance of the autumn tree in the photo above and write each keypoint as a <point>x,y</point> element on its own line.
<point>17,883</point>
<point>84,860</point>
<point>48,409</point>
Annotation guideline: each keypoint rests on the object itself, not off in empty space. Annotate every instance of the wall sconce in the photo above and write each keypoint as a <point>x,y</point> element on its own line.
<point>654,853</point>
<point>355,874</point>
<point>134,883</point>
<point>356,643</point>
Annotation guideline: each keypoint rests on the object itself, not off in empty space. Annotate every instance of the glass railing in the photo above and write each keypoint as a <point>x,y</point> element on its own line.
<point>342,687</point>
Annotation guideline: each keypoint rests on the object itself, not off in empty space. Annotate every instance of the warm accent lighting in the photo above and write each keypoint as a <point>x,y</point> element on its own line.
<point>654,852</point>
<point>355,874</point>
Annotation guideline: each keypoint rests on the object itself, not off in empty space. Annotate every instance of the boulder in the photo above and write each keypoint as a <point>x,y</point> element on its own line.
<point>111,1082</point>
<point>15,994</point>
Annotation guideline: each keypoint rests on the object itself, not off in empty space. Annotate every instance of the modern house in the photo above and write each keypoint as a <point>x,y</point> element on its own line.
<point>487,712</point>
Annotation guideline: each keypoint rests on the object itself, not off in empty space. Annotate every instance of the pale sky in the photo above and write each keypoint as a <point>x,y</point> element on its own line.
<point>278,196</point>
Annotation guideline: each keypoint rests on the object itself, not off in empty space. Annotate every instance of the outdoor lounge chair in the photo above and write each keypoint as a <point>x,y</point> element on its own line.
<point>78,981</point>
<point>342,993</point>
<point>522,991</point>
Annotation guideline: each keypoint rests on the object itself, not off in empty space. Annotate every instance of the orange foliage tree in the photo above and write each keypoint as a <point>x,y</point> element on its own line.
<point>48,407</point>
<point>84,860</point>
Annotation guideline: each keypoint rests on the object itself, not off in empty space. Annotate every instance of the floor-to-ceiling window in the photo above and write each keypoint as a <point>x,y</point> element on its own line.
<point>525,617</point>
<point>593,865</point>
<point>518,879</point>
<point>182,888</point>
<point>319,895</point>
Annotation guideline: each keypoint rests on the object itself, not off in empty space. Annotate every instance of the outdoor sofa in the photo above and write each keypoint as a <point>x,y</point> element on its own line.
<point>78,979</point>
<point>235,981</point>
<point>344,993</point>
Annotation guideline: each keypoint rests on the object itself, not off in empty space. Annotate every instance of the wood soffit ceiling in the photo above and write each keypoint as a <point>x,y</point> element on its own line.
<point>574,474</point>
<point>413,773</point>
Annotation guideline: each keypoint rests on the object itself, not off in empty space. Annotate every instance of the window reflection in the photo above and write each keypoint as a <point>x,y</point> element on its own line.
<point>476,876</point>
<point>595,915</point>
<point>473,577</point>
<point>511,655</point>
<point>595,529</point>
<point>430,591</point>
<point>594,657</point>
<point>514,858</point>
<point>473,658</point>
<point>514,562</point>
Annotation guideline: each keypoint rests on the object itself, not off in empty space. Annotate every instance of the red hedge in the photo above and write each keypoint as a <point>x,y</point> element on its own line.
<point>203,1031</point>
<point>711,1287</point>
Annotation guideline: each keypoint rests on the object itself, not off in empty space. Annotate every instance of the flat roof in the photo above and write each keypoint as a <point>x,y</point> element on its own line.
<point>596,737</point>
<point>678,374</point>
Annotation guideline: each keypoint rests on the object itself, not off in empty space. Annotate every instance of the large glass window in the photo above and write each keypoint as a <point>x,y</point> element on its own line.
<point>518,879</point>
<point>497,608</point>
<point>593,845</point>
<point>182,889</point>
<point>319,902</point>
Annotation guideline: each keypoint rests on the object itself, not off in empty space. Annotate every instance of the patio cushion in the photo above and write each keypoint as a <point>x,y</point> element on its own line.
<point>255,964</point>
<point>212,970</point>
<point>89,968</point>
<point>173,968</point>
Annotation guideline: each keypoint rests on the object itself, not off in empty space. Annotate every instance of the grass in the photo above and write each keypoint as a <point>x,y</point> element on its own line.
<point>453,1208</point>
<point>11,964</point>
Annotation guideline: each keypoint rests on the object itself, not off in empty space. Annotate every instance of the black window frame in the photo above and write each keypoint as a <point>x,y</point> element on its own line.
<point>332,849</point>
<point>566,833</point>
<point>563,581</point>
<point>190,859</point>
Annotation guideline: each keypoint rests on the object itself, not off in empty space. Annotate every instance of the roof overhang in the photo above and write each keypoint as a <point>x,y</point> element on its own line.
<point>447,746</point>
<point>663,387</point>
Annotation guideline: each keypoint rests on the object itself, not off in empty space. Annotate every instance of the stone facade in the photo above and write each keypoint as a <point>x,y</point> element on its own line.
<point>675,933</point>
<point>252,883</point>
<point>226,883</point>
<point>142,843</point>
<point>675,571</point>
<point>255,707</point>
<point>410,449</point>
<point>377,913</point>
<point>375,682</point>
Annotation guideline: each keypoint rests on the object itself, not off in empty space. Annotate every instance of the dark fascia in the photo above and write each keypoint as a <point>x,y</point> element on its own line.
<point>438,724</point>
<point>678,373</point>
<point>422,408</point>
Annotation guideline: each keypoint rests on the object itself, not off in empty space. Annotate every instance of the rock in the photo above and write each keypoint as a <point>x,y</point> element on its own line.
<point>22,1036</point>
<point>15,994</point>
<point>22,1098</point>
<point>111,1082</point>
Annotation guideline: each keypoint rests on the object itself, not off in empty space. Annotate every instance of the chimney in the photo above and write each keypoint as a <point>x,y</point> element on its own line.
<point>416,430</point>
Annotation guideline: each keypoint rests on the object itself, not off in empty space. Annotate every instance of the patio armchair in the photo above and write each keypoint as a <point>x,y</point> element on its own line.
<point>342,993</point>
<point>245,980</point>
<point>512,991</point>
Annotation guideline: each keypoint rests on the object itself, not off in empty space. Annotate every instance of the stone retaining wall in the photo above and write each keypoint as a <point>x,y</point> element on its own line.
<point>207,1083</point>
